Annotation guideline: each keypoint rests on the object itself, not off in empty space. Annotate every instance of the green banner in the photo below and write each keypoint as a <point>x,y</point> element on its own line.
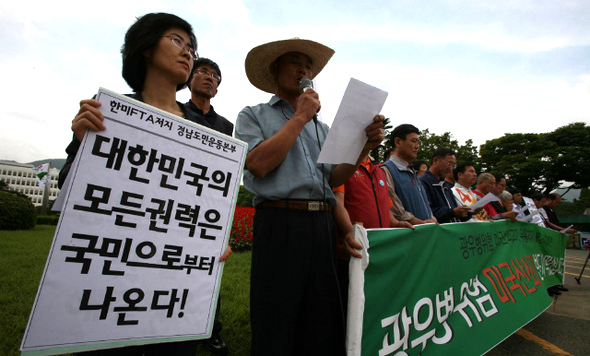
<point>456,289</point>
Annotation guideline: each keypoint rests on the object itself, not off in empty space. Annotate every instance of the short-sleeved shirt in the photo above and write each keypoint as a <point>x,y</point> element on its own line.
<point>298,176</point>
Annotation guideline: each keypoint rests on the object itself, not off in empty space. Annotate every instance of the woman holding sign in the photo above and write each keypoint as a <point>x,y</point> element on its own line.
<point>158,58</point>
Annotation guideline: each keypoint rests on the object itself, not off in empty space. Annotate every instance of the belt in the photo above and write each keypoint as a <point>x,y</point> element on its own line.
<point>297,205</point>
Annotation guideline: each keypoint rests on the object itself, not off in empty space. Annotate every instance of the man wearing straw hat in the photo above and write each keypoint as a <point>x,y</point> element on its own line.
<point>295,307</point>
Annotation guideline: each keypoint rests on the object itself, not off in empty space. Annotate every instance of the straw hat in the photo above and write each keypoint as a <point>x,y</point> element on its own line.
<point>260,58</point>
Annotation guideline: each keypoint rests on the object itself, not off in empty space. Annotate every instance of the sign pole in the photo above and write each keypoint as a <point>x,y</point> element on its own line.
<point>45,201</point>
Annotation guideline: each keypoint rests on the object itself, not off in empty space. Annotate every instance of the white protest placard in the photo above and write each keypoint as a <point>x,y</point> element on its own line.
<point>346,138</point>
<point>148,213</point>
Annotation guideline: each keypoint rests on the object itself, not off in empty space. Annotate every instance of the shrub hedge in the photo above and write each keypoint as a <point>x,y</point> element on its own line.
<point>16,213</point>
<point>47,219</point>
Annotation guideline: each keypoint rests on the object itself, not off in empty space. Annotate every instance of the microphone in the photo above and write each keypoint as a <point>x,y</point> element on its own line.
<point>305,83</point>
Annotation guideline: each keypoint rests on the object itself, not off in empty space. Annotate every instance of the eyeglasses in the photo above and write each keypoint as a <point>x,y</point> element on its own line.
<point>212,74</point>
<point>452,164</point>
<point>179,42</point>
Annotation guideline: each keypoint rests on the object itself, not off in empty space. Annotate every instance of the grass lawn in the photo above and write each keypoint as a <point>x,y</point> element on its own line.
<point>22,258</point>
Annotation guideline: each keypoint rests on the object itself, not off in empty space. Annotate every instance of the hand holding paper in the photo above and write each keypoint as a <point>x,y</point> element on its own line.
<point>483,201</point>
<point>347,136</point>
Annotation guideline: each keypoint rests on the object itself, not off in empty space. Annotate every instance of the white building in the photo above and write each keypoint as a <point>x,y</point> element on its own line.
<point>22,178</point>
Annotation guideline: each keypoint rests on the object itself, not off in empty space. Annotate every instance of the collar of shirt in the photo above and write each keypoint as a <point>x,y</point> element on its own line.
<point>462,187</point>
<point>194,108</point>
<point>400,163</point>
<point>368,164</point>
<point>428,173</point>
<point>287,109</point>
<point>277,101</point>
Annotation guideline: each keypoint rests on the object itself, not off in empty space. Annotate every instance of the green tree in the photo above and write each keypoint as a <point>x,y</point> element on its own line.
<point>539,162</point>
<point>577,206</point>
<point>244,197</point>
<point>571,157</point>
<point>379,152</point>
<point>522,158</point>
<point>430,142</point>
<point>468,153</point>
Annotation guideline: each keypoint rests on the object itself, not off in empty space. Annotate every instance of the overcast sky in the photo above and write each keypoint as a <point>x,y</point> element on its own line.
<point>477,69</point>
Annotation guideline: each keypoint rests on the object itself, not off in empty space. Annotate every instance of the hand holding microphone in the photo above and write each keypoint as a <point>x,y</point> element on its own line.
<point>305,84</point>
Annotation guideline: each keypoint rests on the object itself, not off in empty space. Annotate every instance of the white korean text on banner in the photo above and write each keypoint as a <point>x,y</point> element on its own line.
<point>148,212</point>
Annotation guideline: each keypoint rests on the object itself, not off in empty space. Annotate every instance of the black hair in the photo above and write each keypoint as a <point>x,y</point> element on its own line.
<point>417,164</point>
<point>514,191</point>
<point>387,154</point>
<point>205,62</point>
<point>499,177</point>
<point>402,131</point>
<point>143,36</point>
<point>539,196</point>
<point>461,167</point>
<point>442,152</point>
<point>552,196</point>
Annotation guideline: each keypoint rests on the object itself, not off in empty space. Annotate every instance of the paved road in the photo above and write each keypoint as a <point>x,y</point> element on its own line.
<point>564,328</point>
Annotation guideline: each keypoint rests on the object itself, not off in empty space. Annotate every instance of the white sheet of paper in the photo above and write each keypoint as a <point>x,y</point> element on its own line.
<point>530,217</point>
<point>564,231</point>
<point>346,138</point>
<point>483,201</point>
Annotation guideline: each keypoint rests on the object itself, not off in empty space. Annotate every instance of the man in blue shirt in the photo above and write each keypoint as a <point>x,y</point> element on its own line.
<point>410,202</point>
<point>294,296</point>
<point>442,202</point>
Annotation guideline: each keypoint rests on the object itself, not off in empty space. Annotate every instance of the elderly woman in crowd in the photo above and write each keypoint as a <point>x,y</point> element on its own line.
<point>506,200</point>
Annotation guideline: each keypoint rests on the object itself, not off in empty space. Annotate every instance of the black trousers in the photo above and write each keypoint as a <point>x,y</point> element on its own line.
<point>295,306</point>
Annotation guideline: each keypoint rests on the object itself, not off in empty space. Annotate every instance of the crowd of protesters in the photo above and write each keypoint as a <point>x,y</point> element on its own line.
<point>409,192</point>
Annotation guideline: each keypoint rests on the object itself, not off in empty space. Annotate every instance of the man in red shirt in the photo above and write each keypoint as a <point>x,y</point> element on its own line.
<point>363,198</point>
<point>485,184</point>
